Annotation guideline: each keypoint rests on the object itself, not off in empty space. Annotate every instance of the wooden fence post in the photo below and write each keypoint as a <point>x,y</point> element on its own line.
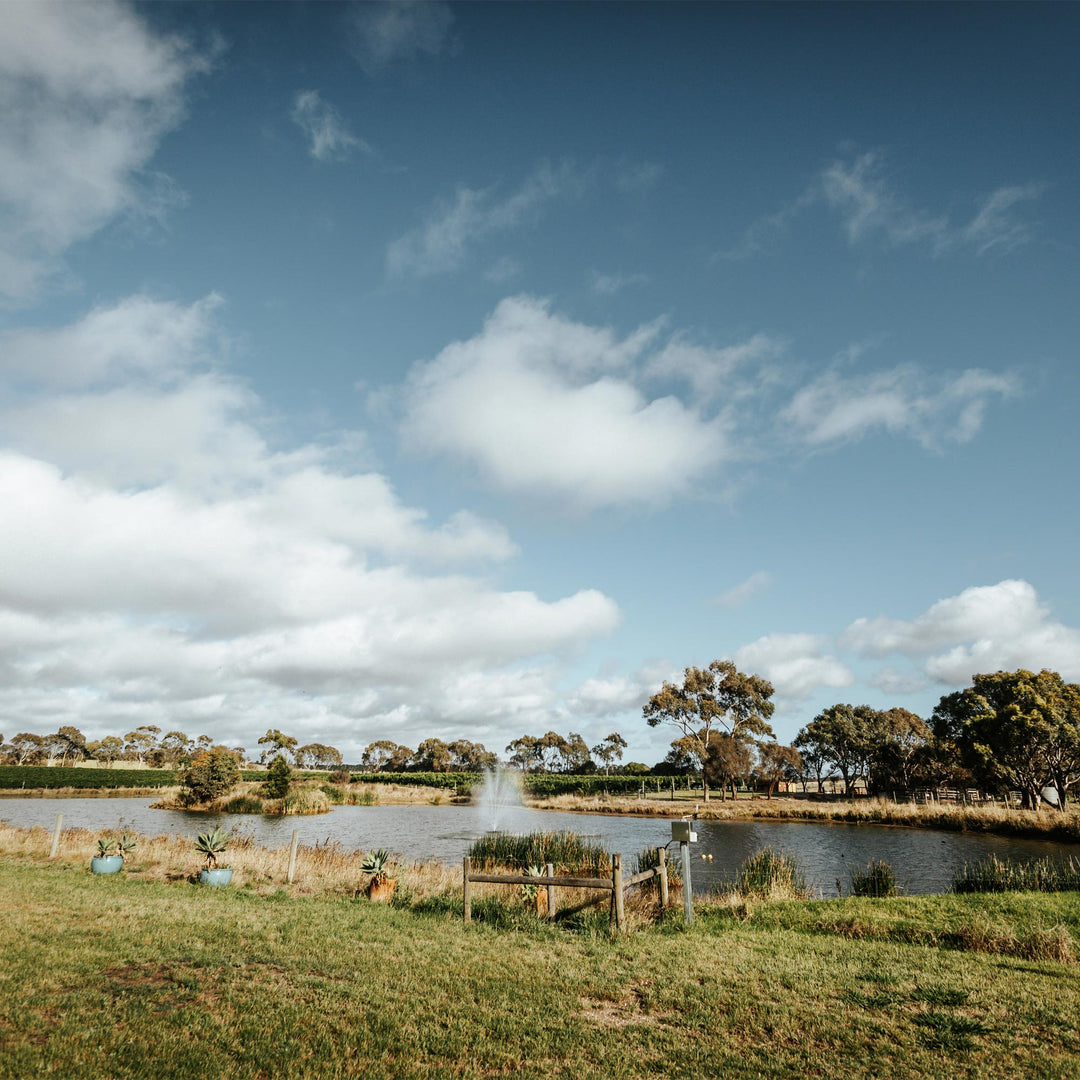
<point>549,871</point>
<point>467,870</point>
<point>617,891</point>
<point>663,878</point>
<point>292,856</point>
<point>56,836</point>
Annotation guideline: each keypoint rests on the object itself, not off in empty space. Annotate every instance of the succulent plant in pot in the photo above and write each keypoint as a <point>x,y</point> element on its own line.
<point>106,861</point>
<point>381,885</point>
<point>210,845</point>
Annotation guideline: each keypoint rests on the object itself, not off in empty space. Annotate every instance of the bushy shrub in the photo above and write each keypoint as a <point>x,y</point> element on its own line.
<point>210,775</point>
<point>341,776</point>
<point>278,777</point>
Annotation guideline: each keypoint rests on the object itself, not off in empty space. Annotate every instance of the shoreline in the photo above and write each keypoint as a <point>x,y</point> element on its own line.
<point>1045,824</point>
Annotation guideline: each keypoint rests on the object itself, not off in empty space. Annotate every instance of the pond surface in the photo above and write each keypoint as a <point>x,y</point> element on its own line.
<point>924,860</point>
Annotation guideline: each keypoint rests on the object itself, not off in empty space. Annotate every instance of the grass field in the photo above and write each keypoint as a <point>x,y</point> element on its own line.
<point>140,976</point>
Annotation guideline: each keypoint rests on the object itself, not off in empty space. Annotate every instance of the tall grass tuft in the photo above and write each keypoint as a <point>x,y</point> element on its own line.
<point>771,875</point>
<point>649,859</point>
<point>878,879</point>
<point>566,851</point>
<point>992,874</point>
<point>243,804</point>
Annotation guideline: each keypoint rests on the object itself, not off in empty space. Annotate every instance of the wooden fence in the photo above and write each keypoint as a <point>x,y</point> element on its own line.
<point>616,885</point>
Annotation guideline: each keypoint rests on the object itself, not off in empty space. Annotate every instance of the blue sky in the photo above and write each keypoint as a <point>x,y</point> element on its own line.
<point>394,371</point>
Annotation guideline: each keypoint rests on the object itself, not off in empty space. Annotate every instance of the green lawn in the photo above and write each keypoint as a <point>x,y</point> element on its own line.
<point>113,977</point>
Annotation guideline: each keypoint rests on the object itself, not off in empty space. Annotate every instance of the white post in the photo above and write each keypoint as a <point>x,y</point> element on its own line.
<point>687,892</point>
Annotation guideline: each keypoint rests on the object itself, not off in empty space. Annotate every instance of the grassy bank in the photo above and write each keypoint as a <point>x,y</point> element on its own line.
<point>136,976</point>
<point>1046,824</point>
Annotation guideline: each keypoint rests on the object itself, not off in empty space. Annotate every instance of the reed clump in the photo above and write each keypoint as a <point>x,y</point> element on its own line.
<point>994,875</point>
<point>877,879</point>
<point>771,875</point>
<point>566,851</point>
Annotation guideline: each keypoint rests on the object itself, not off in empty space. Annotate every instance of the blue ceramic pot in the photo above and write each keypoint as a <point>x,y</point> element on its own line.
<point>106,864</point>
<point>217,878</point>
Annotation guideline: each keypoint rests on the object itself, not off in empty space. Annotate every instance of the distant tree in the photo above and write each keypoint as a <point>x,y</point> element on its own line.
<point>814,754</point>
<point>552,748</point>
<point>108,749</point>
<point>278,778</point>
<point>717,698</point>
<point>609,749</point>
<point>141,743</point>
<point>898,737</point>
<point>526,754</point>
<point>174,746</point>
<point>575,754</point>
<point>845,734</point>
<point>317,756</point>
<point>775,763</point>
<point>636,768</point>
<point>1018,730</point>
<point>468,756</point>
<point>26,748</point>
<point>277,743</point>
<point>209,775</point>
<point>727,761</point>
<point>432,755</point>
<point>378,754</point>
<point>70,743</point>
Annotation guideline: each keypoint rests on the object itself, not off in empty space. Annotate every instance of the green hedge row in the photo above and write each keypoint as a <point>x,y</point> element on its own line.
<point>420,779</point>
<point>44,776</point>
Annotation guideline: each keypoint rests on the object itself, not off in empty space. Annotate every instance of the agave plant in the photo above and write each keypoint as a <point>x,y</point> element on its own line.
<point>211,844</point>
<point>127,844</point>
<point>528,892</point>
<point>377,865</point>
<point>105,847</point>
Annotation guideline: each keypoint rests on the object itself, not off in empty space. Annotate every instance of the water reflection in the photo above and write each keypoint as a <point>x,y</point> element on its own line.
<point>924,860</point>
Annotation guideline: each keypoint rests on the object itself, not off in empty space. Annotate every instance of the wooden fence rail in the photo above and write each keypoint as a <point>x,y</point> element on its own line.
<point>616,885</point>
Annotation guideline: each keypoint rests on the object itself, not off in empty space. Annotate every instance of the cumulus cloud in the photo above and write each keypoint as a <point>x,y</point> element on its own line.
<point>87,91</point>
<point>904,400</point>
<point>442,242</point>
<point>327,132</point>
<point>541,404</point>
<point>984,628</point>
<point>385,33</point>
<point>162,561</point>
<point>796,664</point>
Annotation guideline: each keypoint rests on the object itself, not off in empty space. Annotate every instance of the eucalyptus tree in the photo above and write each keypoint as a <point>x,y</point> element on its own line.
<point>609,749</point>
<point>719,698</point>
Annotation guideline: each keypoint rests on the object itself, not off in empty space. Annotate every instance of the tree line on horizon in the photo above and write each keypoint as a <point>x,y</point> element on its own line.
<point>1008,731</point>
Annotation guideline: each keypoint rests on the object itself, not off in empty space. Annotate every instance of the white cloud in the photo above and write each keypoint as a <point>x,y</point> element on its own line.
<point>984,628</point>
<point>545,405</point>
<point>442,242</point>
<point>904,400</point>
<point>610,284</point>
<point>710,371</point>
<point>738,595</point>
<point>795,664</point>
<point>160,560</point>
<point>400,30</point>
<point>860,193</point>
<point>330,137</point>
<point>871,209</point>
<point>994,228</point>
<point>87,91</point>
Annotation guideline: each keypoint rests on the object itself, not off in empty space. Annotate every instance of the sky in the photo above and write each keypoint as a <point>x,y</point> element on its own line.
<point>465,371</point>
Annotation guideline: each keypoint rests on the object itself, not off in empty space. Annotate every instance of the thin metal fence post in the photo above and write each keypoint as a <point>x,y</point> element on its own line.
<point>617,888</point>
<point>687,893</point>
<point>549,871</point>
<point>663,877</point>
